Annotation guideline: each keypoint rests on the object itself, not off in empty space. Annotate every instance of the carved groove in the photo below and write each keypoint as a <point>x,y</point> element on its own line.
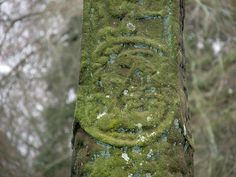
<point>130,102</point>
<point>131,107</point>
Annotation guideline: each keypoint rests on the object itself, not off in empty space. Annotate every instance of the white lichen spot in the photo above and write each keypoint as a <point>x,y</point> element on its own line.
<point>158,72</point>
<point>131,26</point>
<point>185,131</point>
<point>150,154</point>
<point>107,96</point>
<point>148,175</point>
<point>125,157</point>
<point>125,92</point>
<point>141,164</point>
<point>149,118</point>
<point>153,134</point>
<point>141,138</point>
<point>161,54</point>
<point>99,116</point>
<point>130,175</point>
<point>139,125</point>
<point>176,123</point>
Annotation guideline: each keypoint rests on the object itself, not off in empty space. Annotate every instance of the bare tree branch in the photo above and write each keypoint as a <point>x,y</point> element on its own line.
<point>14,69</point>
<point>13,22</point>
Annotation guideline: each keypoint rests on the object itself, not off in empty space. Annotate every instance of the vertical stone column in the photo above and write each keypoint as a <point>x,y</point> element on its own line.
<point>131,117</point>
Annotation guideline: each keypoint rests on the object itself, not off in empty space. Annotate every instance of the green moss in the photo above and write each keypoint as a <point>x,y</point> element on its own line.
<point>154,160</point>
<point>132,53</point>
<point>146,43</point>
<point>131,93</point>
<point>123,8</point>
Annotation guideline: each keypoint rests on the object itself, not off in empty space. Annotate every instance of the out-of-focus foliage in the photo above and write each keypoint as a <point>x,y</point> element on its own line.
<point>62,79</point>
<point>210,41</point>
<point>12,160</point>
<point>39,66</point>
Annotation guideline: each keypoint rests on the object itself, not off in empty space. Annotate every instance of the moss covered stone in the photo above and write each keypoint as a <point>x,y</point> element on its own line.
<point>131,90</point>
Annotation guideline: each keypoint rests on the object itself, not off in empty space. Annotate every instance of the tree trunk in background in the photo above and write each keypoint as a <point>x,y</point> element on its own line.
<point>131,117</point>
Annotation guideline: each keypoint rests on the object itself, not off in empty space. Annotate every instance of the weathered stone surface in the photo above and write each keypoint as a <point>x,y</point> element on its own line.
<point>131,113</point>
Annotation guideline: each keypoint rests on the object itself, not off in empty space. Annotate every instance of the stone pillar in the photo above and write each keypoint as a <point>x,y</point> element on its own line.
<point>131,118</point>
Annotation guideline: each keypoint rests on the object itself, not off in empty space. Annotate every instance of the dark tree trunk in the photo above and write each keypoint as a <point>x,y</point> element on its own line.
<point>131,118</point>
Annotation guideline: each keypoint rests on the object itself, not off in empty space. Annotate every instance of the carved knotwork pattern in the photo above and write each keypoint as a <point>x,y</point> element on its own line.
<point>128,91</point>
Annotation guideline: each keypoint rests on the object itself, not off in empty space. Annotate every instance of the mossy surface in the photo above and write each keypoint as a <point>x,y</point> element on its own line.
<point>130,92</point>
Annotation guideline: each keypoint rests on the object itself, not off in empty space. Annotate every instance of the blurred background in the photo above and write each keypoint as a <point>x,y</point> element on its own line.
<point>39,68</point>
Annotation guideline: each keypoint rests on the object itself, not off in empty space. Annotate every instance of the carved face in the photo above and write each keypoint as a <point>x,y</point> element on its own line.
<point>130,96</point>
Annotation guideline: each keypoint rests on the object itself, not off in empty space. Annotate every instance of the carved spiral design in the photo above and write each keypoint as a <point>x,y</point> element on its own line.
<point>131,97</point>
